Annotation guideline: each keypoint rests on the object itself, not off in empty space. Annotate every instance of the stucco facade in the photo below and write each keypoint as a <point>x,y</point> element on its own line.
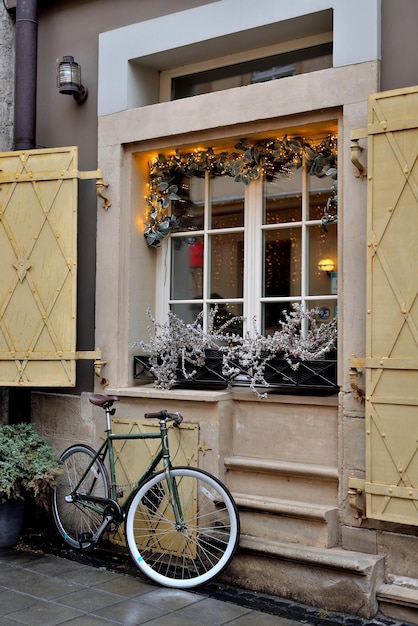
<point>6,80</point>
<point>287,459</point>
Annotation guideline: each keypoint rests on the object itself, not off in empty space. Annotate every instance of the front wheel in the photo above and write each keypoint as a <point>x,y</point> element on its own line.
<point>78,521</point>
<point>189,549</point>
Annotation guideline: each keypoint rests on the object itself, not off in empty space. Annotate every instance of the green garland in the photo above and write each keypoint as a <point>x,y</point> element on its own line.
<point>268,158</point>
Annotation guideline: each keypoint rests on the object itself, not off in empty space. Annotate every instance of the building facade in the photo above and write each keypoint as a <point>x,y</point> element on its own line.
<point>204,78</point>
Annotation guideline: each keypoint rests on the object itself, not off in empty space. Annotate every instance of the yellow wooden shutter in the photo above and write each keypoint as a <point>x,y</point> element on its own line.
<point>392,308</point>
<point>38,278</point>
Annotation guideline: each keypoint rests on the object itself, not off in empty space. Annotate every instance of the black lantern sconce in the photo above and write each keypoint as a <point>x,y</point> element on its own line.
<point>69,79</point>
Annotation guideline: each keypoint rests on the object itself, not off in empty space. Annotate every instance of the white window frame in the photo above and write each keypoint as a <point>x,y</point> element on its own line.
<point>253,230</point>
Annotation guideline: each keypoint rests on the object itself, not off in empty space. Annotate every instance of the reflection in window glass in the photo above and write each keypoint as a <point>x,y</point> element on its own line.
<point>227,264</point>
<point>227,203</point>
<point>273,314</point>
<point>322,259</point>
<point>190,208</point>
<point>255,71</point>
<point>228,316</point>
<point>187,267</point>
<point>283,199</point>
<point>187,311</point>
<point>282,262</point>
<point>319,192</point>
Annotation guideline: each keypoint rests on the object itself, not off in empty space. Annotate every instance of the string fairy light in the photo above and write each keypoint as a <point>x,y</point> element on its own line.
<point>266,158</point>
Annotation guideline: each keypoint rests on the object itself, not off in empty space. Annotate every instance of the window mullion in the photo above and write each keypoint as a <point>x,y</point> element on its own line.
<point>206,248</point>
<point>305,242</point>
<point>253,255</point>
<point>163,287</point>
<point>305,236</point>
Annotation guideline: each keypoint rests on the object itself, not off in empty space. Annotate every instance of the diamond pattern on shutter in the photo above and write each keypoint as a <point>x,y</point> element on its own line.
<point>392,305</point>
<point>132,457</point>
<point>38,248</point>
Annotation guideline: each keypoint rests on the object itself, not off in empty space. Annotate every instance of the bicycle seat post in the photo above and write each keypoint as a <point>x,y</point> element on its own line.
<point>109,412</point>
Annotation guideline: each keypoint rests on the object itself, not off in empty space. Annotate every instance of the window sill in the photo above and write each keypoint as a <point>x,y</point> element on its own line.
<point>242,394</point>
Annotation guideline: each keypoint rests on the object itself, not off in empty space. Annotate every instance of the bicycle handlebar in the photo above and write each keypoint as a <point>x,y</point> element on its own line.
<point>165,416</point>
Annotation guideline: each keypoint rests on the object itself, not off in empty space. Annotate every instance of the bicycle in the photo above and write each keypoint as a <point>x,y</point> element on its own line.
<point>181,523</point>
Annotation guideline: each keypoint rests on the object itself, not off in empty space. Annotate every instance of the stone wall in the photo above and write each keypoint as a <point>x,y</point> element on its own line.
<point>6,79</point>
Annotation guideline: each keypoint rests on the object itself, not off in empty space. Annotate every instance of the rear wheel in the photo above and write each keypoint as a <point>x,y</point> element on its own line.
<point>187,552</point>
<point>78,521</point>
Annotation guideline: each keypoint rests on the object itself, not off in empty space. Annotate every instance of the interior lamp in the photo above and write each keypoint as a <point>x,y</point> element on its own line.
<point>69,79</point>
<point>326,265</point>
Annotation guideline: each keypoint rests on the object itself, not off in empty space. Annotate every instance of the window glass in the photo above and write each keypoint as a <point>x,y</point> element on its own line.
<point>283,199</point>
<point>227,203</point>
<point>319,192</point>
<point>328,309</point>
<point>322,259</point>
<point>282,262</point>
<point>190,208</point>
<point>255,71</point>
<point>227,264</point>
<point>273,314</point>
<point>187,267</point>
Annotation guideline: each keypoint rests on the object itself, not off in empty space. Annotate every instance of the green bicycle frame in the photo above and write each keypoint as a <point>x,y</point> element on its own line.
<point>107,449</point>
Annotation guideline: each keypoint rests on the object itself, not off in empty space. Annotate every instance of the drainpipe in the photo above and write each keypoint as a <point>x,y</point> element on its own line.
<point>26,48</point>
<point>26,54</point>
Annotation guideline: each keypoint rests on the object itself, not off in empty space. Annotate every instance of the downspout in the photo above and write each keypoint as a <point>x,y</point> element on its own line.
<point>26,57</point>
<point>26,53</point>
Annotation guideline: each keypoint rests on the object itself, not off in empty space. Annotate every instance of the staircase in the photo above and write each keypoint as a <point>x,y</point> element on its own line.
<point>285,501</point>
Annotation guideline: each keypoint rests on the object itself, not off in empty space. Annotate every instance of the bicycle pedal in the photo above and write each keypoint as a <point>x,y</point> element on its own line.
<point>84,538</point>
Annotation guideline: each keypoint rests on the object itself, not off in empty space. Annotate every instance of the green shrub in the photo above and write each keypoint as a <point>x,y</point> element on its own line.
<point>28,466</point>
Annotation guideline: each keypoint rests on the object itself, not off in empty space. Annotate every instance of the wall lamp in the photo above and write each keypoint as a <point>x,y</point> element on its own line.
<point>69,79</point>
<point>326,265</point>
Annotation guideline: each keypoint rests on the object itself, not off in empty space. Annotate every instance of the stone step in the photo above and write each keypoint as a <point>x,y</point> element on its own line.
<point>335,579</point>
<point>306,482</point>
<point>399,601</point>
<point>288,520</point>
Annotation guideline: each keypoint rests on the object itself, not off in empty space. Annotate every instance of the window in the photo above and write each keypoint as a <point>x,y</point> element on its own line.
<point>253,249</point>
<point>257,70</point>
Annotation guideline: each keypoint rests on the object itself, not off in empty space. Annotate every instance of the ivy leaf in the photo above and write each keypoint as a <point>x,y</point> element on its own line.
<point>241,145</point>
<point>295,144</point>
<point>332,172</point>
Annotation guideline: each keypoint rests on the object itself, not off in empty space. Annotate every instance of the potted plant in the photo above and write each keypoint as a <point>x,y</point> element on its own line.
<point>289,357</point>
<point>28,468</point>
<point>180,352</point>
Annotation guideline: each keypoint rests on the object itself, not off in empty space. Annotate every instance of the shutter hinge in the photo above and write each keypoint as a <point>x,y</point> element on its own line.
<point>95,355</point>
<point>356,149</point>
<point>99,184</point>
<point>357,497</point>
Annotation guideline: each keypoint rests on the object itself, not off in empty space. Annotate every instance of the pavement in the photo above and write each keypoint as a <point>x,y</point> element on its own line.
<point>43,589</point>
